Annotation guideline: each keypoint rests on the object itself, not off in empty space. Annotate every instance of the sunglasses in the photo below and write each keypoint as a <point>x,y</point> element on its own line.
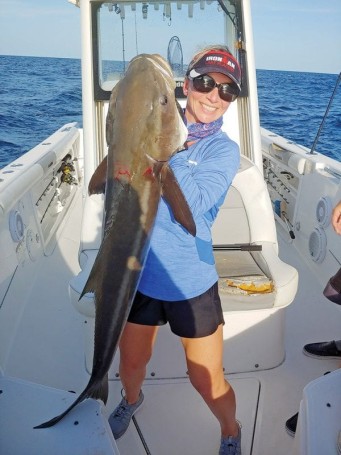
<point>206,83</point>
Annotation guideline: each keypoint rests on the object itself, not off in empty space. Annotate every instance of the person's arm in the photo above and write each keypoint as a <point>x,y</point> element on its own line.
<point>204,185</point>
<point>336,218</point>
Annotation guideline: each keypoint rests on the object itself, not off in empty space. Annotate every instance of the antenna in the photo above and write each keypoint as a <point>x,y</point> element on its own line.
<point>324,117</point>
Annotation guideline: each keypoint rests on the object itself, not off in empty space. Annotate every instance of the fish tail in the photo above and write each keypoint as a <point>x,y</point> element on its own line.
<point>100,390</point>
<point>92,281</point>
<point>56,419</point>
<point>95,389</point>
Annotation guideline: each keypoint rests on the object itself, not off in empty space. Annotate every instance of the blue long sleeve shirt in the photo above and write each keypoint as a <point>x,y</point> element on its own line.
<point>180,266</point>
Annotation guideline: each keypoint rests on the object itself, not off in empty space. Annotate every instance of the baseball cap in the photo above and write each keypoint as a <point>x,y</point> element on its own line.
<point>217,61</point>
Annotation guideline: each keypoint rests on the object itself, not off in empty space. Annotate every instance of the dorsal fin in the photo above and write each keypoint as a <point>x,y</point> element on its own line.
<point>174,196</point>
<point>99,178</point>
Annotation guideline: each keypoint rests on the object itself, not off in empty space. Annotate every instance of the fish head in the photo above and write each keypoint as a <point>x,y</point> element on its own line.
<point>146,101</point>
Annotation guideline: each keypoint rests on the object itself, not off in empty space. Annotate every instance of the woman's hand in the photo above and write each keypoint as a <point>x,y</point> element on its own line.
<point>336,218</point>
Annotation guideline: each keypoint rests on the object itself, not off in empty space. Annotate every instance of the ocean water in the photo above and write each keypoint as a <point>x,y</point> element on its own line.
<point>39,95</point>
<point>293,105</point>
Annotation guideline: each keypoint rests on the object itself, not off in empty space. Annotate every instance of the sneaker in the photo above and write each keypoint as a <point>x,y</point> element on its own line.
<point>120,419</point>
<point>291,424</point>
<point>231,445</point>
<point>327,349</point>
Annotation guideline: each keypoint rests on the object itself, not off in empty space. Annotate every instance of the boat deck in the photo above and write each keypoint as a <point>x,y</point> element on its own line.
<point>173,418</point>
<point>265,399</point>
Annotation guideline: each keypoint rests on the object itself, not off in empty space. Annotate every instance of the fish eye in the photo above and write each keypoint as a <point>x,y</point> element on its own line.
<point>163,100</point>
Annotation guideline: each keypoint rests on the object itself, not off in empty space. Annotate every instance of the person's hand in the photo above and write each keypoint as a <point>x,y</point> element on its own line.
<point>336,218</point>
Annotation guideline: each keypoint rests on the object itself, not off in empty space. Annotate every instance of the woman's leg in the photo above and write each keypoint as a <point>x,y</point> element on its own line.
<point>136,347</point>
<point>205,367</point>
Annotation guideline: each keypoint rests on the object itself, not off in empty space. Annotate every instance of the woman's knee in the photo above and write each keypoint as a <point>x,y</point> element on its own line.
<point>133,361</point>
<point>209,384</point>
<point>136,346</point>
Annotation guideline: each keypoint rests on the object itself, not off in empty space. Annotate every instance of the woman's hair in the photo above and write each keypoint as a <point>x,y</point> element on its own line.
<point>212,47</point>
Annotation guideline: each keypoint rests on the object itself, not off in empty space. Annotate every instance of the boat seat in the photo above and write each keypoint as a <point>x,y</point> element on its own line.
<point>92,227</point>
<point>248,279</point>
<point>25,404</point>
<point>251,275</point>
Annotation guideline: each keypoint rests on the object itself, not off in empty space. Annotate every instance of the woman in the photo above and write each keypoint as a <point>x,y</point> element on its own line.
<point>179,280</point>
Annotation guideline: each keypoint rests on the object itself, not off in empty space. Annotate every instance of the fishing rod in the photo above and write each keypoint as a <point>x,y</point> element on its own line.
<point>324,117</point>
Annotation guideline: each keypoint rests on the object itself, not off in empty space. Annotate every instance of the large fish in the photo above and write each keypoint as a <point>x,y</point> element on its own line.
<point>143,130</point>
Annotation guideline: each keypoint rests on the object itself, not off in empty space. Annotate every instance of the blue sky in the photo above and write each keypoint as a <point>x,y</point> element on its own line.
<point>296,35</point>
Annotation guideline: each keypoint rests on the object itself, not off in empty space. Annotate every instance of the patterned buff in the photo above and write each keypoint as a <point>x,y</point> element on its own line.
<point>199,130</point>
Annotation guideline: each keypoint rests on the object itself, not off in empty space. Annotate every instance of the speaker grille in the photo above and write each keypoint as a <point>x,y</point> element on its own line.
<point>324,211</point>
<point>318,245</point>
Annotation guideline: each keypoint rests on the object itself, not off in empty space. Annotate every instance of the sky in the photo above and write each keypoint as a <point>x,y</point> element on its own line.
<point>293,35</point>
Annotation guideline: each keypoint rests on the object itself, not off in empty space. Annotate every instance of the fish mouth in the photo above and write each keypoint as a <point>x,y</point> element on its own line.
<point>154,161</point>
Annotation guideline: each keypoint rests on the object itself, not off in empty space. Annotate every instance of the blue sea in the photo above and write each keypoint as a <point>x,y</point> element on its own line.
<point>39,95</point>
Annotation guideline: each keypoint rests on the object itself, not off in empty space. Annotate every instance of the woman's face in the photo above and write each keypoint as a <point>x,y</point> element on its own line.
<point>205,107</point>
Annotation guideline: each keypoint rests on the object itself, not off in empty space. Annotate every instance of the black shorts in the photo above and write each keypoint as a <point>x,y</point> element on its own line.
<point>193,318</point>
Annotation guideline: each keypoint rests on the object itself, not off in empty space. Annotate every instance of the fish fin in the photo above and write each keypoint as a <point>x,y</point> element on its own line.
<point>101,392</point>
<point>98,180</point>
<point>111,113</point>
<point>181,111</point>
<point>56,419</point>
<point>96,271</point>
<point>98,268</point>
<point>94,389</point>
<point>174,196</point>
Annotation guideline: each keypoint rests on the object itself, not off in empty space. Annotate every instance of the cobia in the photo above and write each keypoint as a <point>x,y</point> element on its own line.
<point>143,130</point>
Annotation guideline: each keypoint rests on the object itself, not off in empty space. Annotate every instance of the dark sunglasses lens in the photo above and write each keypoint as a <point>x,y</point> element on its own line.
<point>206,84</point>
<point>227,93</point>
<point>203,84</point>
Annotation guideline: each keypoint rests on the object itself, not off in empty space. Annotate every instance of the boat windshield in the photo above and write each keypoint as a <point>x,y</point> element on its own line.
<point>175,30</point>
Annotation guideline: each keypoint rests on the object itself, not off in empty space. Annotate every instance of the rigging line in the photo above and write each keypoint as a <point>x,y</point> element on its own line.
<point>145,446</point>
<point>9,285</point>
<point>226,11</point>
<point>337,260</point>
<point>137,51</point>
<point>324,117</point>
<point>123,49</point>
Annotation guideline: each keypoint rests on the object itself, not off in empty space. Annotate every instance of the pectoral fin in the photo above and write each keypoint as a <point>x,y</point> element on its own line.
<point>98,180</point>
<point>174,196</point>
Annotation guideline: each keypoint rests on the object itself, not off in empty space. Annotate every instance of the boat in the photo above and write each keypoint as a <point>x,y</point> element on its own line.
<point>274,246</point>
